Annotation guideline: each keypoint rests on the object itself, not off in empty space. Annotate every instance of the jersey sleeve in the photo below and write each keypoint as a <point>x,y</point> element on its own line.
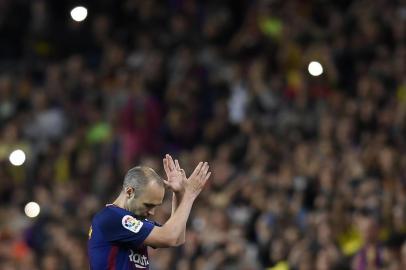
<point>125,230</point>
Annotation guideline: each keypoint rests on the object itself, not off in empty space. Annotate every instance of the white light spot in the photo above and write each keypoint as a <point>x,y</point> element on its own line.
<point>78,13</point>
<point>32,209</point>
<point>17,157</point>
<point>315,68</point>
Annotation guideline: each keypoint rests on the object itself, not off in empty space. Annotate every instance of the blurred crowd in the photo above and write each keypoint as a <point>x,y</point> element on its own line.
<point>309,173</point>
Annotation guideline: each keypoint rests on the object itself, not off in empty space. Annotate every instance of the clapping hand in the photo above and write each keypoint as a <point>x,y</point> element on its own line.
<point>197,180</point>
<point>176,176</point>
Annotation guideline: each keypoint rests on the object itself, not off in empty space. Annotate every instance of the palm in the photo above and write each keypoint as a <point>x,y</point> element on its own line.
<point>175,180</point>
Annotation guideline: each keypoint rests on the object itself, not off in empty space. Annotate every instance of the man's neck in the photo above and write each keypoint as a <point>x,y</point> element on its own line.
<point>120,201</point>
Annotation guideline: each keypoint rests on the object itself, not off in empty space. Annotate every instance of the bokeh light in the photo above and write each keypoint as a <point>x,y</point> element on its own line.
<point>17,157</point>
<point>32,209</point>
<point>315,68</point>
<point>78,14</point>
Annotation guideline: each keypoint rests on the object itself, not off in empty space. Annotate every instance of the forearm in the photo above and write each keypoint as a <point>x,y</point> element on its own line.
<point>171,232</point>
<point>176,199</point>
<point>176,224</point>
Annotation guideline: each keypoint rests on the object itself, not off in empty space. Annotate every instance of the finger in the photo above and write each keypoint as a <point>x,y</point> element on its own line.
<point>183,173</point>
<point>204,169</point>
<point>166,167</point>
<point>166,182</point>
<point>203,176</point>
<point>177,166</point>
<point>197,169</point>
<point>207,176</point>
<point>204,181</point>
<point>171,164</point>
<point>164,163</point>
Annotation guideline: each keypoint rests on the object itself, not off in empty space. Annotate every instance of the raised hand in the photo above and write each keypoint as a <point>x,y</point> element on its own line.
<point>176,176</point>
<point>196,181</point>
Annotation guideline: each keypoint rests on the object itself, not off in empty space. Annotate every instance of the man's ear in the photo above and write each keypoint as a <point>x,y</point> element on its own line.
<point>129,191</point>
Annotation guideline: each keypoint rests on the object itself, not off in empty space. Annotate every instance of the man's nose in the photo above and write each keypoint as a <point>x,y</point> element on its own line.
<point>151,211</point>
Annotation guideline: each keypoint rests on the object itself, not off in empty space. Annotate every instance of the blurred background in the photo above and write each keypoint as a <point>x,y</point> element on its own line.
<point>298,105</point>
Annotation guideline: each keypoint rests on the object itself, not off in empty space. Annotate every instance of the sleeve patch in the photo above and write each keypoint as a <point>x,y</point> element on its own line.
<point>131,223</point>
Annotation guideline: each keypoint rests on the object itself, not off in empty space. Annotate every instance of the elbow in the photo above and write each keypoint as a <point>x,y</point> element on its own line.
<point>180,242</point>
<point>174,241</point>
<point>163,237</point>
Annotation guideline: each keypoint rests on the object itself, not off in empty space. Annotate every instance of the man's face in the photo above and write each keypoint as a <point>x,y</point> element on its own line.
<point>144,205</point>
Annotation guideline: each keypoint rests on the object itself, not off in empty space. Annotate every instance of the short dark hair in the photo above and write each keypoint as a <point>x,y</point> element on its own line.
<point>139,177</point>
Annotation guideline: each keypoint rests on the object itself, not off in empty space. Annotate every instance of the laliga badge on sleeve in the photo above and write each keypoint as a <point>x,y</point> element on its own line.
<point>131,223</point>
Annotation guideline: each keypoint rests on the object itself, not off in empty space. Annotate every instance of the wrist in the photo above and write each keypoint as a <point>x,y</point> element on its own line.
<point>179,194</point>
<point>188,196</point>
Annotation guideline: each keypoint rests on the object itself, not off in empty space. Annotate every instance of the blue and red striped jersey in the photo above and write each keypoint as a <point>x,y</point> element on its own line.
<point>116,240</point>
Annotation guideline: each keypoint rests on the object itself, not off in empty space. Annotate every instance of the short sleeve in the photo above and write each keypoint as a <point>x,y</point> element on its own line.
<point>125,230</point>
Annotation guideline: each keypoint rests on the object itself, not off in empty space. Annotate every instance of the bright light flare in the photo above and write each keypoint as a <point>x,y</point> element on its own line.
<point>17,157</point>
<point>78,14</point>
<point>315,68</point>
<point>32,209</point>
